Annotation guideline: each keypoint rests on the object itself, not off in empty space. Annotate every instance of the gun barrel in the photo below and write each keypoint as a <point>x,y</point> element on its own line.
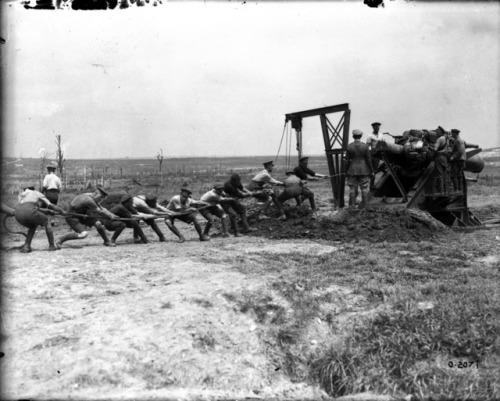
<point>471,145</point>
<point>390,147</point>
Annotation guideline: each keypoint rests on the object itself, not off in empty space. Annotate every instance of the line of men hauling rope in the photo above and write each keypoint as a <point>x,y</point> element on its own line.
<point>223,202</point>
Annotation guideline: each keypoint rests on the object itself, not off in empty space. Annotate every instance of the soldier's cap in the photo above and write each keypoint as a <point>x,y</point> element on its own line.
<point>376,123</point>
<point>270,163</point>
<point>29,185</point>
<point>218,185</point>
<point>439,128</point>
<point>357,133</point>
<point>125,198</point>
<point>102,191</point>
<point>455,131</point>
<point>186,190</point>
<point>290,172</point>
<point>151,197</point>
<point>303,159</point>
<point>52,165</point>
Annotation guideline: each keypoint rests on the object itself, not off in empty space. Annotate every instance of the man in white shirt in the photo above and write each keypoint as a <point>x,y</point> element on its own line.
<point>182,207</point>
<point>213,198</point>
<point>51,186</point>
<point>262,183</point>
<point>371,141</point>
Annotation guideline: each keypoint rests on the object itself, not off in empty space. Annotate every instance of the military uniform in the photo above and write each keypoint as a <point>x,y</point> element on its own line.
<point>294,188</point>
<point>27,214</point>
<point>457,162</point>
<point>440,164</point>
<point>214,197</point>
<point>233,208</point>
<point>147,204</point>
<point>125,210</point>
<point>87,205</point>
<point>261,182</point>
<point>183,204</point>
<point>359,168</point>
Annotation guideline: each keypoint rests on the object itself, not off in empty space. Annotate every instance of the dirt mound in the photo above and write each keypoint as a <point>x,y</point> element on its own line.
<point>352,225</point>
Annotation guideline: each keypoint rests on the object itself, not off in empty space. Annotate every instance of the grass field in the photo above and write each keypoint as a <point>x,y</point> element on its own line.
<point>257,317</point>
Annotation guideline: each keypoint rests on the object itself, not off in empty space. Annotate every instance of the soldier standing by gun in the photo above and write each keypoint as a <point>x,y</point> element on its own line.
<point>457,160</point>
<point>84,212</point>
<point>233,208</point>
<point>259,184</point>
<point>30,216</point>
<point>440,161</point>
<point>126,210</point>
<point>371,141</point>
<point>183,208</point>
<point>359,168</point>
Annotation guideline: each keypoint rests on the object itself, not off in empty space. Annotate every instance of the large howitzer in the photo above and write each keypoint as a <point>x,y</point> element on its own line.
<point>408,173</point>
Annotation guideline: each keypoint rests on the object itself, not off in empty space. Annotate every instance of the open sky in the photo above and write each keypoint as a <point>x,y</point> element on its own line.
<point>216,78</point>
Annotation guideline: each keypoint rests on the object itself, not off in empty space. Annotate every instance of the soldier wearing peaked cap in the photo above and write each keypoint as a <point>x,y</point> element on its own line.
<point>125,209</point>
<point>261,186</point>
<point>457,161</point>
<point>372,141</point>
<point>440,149</point>
<point>87,204</point>
<point>183,208</point>
<point>358,168</point>
<point>51,186</point>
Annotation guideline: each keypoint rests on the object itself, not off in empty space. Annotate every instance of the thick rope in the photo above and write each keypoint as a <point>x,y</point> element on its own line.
<point>281,142</point>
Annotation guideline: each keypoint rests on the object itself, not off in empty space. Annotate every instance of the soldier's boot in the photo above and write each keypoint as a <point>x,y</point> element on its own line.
<point>364,199</point>
<point>206,231</point>
<point>225,227</point>
<point>197,227</point>
<point>27,244</point>
<point>352,200</point>
<point>312,201</point>
<point>139,235</point>
<point>50,237</point>
<point>263,210</point>
<point>102,232</point>
<point>460,184</point>
<point>158,232</point>
<point>234,226</point>
<point>246,226</point>
<point>66,237</point>
<point>117,233</point>
<point>178,233</point>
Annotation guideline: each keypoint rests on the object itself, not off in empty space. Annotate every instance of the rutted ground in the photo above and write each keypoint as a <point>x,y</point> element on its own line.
<point>91,321</point>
